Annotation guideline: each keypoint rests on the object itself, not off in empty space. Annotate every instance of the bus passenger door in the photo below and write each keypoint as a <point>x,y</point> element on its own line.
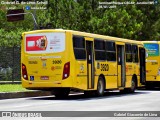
<point>121,66</point>
<point>90,64</point>
<point>142,58</point>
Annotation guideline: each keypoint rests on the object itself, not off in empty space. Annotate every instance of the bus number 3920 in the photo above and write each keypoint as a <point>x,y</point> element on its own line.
<point>104,67</point>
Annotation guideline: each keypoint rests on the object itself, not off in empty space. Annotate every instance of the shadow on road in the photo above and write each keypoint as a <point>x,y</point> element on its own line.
<point>82,97</point>
<point>150,89</point>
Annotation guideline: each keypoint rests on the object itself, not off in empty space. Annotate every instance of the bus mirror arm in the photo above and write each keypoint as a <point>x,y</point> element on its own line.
<point>35,22</point>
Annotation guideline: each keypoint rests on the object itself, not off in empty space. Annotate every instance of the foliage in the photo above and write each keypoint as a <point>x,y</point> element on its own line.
<point>10,38</point>
<point>140,22</point>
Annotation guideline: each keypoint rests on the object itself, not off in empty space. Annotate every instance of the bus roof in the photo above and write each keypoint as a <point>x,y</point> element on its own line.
<point>158,42</point>
<point>86,35</point>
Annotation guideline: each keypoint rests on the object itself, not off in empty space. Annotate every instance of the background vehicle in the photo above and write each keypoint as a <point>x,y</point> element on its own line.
<point>152,63</point>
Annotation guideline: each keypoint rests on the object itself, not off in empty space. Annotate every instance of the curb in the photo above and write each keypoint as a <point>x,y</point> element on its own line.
<point>10,95</point>
<point>10,82</point>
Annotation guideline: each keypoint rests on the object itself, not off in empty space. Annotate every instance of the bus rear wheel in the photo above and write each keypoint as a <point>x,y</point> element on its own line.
<point>61,92</point>
<point>100,87</point>
<point>132,88</point>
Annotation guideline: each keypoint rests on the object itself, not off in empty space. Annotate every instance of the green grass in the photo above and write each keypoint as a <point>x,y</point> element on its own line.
<point>11,88</point>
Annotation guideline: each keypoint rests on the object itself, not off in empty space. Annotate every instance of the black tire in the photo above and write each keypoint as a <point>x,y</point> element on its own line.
<point>61,93</point>
<point>100,87</point>
<point>131,89</point>
<point>133,86</point>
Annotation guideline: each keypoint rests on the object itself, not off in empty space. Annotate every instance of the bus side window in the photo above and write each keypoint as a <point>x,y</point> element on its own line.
<point>128,51</point>
<point>111,51</point>
<point>99,46</point>
<point>79,47</point>
<point>135,53</point>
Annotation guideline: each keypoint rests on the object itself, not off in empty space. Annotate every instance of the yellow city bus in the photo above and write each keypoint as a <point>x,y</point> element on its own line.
<point>64,60</point>
<point>152,63</point>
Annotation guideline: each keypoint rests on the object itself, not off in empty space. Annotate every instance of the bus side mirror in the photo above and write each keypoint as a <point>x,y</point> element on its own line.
<point>15,15</point>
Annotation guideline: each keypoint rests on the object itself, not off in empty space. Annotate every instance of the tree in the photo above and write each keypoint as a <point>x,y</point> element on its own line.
<point>140,22</point>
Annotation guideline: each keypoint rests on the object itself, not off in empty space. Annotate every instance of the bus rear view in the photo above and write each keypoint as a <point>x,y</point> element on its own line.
<point>44,63</point>
<point>64,60</point>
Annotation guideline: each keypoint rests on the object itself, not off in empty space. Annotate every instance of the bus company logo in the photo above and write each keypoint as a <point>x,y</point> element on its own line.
<point>55,68</point>
<point>129,67</point>
<point>57,62</point>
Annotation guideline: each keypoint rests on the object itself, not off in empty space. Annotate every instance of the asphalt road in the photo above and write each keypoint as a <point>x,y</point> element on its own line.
<point>141,100</point>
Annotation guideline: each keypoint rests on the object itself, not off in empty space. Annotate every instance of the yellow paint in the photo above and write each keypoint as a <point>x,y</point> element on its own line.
<point>89,75</point>
<point>119,76</point>
<point>89,38</point>
<point>78,68</point>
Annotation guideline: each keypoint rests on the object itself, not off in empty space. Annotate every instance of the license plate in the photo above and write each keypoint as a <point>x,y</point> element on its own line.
<point>44,77</point>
